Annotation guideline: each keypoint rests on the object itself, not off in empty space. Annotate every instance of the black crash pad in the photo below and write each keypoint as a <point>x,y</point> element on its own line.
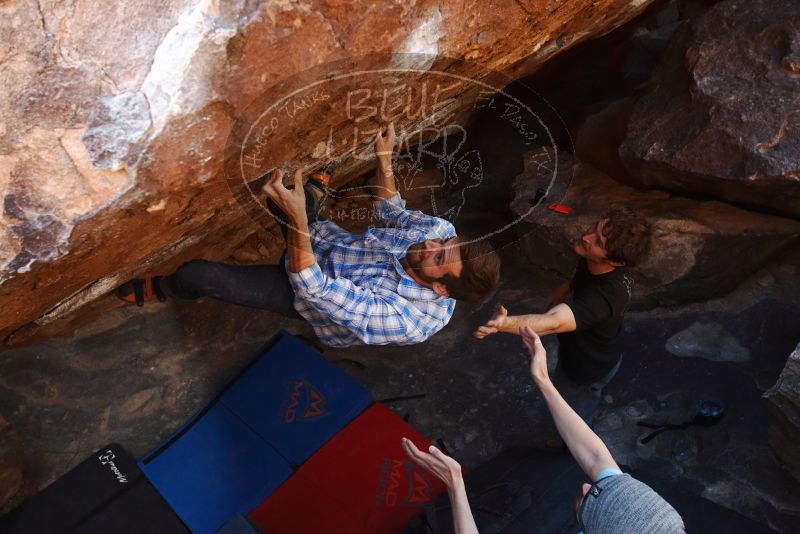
<point>106,493</point>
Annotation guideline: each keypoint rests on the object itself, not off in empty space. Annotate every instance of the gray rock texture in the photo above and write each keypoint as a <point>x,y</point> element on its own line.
<point>11,464</point>
<point>783,400</point>
<point>707,340</point>
<point>721,118</point>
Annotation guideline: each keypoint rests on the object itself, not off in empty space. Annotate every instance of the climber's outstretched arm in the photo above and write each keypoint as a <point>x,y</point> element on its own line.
<point>293,203</point>
<point>386,187</point>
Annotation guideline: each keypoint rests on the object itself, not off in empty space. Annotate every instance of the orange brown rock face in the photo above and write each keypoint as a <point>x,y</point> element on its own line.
<point>114,119</point>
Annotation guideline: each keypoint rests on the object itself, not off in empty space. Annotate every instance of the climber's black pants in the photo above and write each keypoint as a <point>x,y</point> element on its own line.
<point>258,286</point>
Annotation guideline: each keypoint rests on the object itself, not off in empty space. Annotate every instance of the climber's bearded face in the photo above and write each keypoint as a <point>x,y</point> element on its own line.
<point>434,259</point>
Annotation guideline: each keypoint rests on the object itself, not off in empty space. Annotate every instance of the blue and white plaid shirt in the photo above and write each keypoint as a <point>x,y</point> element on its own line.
<point>358,292</point>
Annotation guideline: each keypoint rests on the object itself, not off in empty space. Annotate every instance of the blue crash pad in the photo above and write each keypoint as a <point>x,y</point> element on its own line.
<point>217,468</point>
<point>270,419</point>
<point>295,399</point>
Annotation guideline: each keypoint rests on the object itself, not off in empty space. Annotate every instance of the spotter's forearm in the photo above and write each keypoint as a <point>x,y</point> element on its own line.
<point>542,324</point>
<point>585,446</point>
<point>463,521</point>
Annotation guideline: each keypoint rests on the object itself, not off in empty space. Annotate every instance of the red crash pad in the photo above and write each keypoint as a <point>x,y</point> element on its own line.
<point>360,481</point>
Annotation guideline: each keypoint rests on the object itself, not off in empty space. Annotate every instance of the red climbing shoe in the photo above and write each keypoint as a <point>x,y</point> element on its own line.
<point>319,180</point>
<point>141,290</point>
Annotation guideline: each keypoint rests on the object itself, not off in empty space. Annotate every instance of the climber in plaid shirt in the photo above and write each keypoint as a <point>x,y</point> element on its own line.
<point>393,285</point>
<point>359,290</point>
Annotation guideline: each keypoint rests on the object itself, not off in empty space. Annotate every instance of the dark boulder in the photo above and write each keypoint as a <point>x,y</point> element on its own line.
<point>701,249</point>
<point>723,116</point>
<point>783,400</point>
<point>10,466</point>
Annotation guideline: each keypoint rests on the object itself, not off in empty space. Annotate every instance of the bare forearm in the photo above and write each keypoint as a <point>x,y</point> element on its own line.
<point>557,320</point>
<point>463,521</point>
<point>588,450</point>
<point>301,254</point>
<point>384,178</point>
<point>540,323</point>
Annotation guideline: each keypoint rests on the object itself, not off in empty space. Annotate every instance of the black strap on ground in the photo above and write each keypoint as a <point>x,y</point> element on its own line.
<point>402,398</point>
<point>352,362</point>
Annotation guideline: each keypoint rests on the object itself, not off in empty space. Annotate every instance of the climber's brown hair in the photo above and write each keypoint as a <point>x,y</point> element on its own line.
<point>480,273</point>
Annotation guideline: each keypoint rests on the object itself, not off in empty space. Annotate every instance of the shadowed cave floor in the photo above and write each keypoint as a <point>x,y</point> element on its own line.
<point>136,374</point>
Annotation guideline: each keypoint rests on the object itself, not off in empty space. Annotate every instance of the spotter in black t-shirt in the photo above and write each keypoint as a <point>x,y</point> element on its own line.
<point>598,303</point>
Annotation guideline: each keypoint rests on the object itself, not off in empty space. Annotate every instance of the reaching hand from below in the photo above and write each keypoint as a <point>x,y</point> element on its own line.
<point>538,356</point>
<point>442,466</point>
<point>448,471</point>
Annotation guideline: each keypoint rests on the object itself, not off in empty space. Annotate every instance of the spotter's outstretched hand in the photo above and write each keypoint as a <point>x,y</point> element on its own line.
<point>494,324</point>
<point>442,466</point>
<point>538,355</point>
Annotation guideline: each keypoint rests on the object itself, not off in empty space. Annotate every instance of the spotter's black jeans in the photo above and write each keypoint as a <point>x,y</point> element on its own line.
<point>584,399</point>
